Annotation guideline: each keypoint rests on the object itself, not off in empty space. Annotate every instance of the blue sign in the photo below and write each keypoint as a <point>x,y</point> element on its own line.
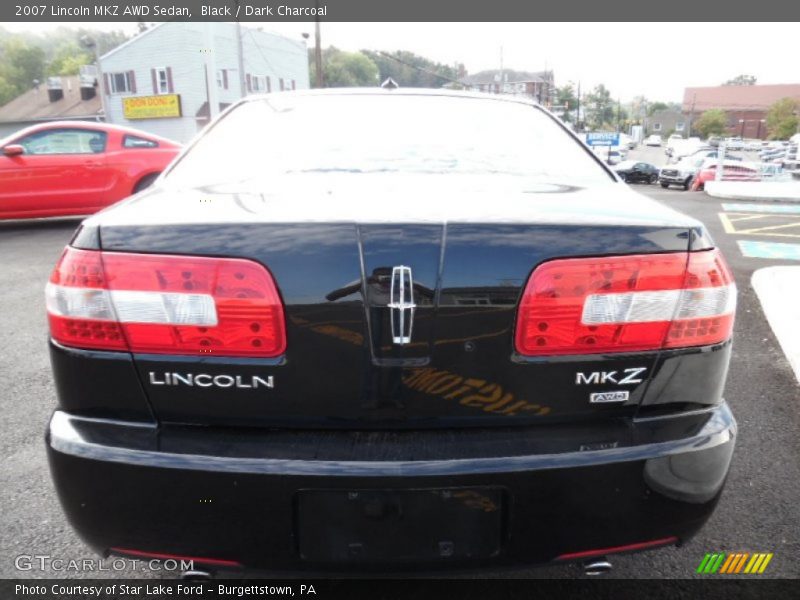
<point>602,138</point>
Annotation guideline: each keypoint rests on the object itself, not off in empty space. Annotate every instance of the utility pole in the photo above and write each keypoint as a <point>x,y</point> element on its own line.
<point>619,116</point>
<point>502,83</point>
<point>691,117</point>
<point>318,48</point>
<point>240,53</point>
<point>212,91</point>
<point>578,109</point>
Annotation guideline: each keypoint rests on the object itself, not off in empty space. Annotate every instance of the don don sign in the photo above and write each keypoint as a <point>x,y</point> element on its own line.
<point>152,107</point>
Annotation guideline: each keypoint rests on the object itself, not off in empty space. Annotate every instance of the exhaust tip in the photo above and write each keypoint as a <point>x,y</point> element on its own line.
<point>597,566</point>
<point>196,575</point>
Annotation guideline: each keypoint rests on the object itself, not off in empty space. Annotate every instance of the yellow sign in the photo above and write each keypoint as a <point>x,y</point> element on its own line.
<point>152,107</point>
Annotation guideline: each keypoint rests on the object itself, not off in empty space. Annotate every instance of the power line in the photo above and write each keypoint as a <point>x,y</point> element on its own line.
<point>418,68</point>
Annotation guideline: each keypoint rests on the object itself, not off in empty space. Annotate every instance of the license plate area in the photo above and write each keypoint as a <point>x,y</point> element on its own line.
<point>411,525</point>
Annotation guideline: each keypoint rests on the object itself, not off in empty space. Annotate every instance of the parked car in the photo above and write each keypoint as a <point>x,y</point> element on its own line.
<point>734,143</point>
<point>713,153</point>
<point>682,173</point>
<point>378,351</point>
<point>714,141</point>
<point>731,171</point>
<point>631,171</point>
<point>653,140</point>
<point>753,146</point>
<point>76,168</point>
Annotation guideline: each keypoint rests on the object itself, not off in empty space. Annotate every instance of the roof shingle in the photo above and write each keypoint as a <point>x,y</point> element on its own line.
<point>35,105</point>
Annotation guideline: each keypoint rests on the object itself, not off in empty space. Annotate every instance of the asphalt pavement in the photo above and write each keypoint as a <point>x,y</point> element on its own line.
<point>759,510</point>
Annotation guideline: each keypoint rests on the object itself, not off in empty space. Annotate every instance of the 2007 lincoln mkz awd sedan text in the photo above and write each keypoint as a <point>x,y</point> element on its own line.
<point>426,330</point>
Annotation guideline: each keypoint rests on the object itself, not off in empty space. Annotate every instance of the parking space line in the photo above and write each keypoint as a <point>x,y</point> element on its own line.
<point>772,250</point>
<point>728,220</point>
<point>726,223</point>
<point>764,208</point>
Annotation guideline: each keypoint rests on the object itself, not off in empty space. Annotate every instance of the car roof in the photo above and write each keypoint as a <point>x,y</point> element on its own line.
<point>385,92</point>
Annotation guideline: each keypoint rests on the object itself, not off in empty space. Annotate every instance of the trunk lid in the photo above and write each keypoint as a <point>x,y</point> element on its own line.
<point>468,247</point>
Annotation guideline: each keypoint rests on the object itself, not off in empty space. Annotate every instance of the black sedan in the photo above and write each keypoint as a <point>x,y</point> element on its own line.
<point>631,171</point>
<point>440,347</point>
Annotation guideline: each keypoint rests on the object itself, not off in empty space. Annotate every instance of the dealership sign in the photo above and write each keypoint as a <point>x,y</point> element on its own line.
<point>152,107</point>
<point>602,138</point>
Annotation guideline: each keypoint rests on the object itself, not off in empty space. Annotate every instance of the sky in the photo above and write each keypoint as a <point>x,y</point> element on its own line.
<point>656,60</point>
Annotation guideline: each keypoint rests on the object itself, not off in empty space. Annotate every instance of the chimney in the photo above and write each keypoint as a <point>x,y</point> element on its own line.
<point>55,89</point>
<point>88,81</point>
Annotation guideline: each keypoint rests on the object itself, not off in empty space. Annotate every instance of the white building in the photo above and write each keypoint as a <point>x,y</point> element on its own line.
<point>164,79</point>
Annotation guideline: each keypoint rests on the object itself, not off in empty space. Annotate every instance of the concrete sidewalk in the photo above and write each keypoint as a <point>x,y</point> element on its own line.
<point>778,289</point>
<point>775,191</point>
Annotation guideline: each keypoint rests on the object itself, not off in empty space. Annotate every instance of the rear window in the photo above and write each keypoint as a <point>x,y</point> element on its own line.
<point>401,134</point>
<point>134,141</point>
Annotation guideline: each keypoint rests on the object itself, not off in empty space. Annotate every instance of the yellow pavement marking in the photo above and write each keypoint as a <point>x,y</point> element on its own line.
<point>728,221</point>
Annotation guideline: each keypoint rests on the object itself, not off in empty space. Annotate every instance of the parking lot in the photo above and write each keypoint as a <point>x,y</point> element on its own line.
<point>759,510</point>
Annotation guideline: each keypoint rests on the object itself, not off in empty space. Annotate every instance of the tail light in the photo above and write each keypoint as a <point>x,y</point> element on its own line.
<point>165,304</point>
<point>626,304</point>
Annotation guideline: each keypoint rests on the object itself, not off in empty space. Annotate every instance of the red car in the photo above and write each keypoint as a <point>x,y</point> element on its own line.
<point>76,168</point>
<point>732,171</point>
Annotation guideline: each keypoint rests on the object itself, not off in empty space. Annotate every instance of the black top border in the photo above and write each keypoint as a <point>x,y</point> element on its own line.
<point>266,11</point>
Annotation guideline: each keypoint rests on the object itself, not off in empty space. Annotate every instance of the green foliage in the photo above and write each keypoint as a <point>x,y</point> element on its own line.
<point>742,80</point>
<point>783,119</point>
<point>566,100</point>
<point>344,69</point>
<point>711,122</point>
<point>27,56</point>
<point>68,60</point>
<point>655,106</point>
<point>411,70</point>
<point>600,108</point>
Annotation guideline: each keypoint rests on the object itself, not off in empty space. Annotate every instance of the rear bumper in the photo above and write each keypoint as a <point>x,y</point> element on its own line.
<point>237,497</point>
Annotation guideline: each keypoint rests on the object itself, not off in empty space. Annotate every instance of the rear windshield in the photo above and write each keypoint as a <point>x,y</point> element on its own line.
<point>402,134</point>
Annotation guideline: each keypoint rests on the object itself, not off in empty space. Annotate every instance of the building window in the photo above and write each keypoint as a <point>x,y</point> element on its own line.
<point>656,126</point>
<point>121,83</point>
<point>679,126</point>
<point>222,79</point>
<point>259,83</point>
<point>162,81</point>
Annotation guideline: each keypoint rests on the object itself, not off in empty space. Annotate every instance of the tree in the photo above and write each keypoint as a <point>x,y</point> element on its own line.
<point>26,56</point>
<point>68,60</point>
<point>21,63</point>
<point>742,80</point>
<point>344,69</point>
<point>600,108</point>
<point>711,122</point>
<point>411,70</point>
<point>655,106</point>
<point>566,100</point>
<point>782,119</point>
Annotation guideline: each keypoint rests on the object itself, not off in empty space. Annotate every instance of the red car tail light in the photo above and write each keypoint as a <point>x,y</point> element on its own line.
<point>165,304</point>
<point>626,304</point>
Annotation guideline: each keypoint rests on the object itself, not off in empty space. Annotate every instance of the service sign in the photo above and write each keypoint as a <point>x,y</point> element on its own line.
<point>602,138</point>
<point>152,107</point>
